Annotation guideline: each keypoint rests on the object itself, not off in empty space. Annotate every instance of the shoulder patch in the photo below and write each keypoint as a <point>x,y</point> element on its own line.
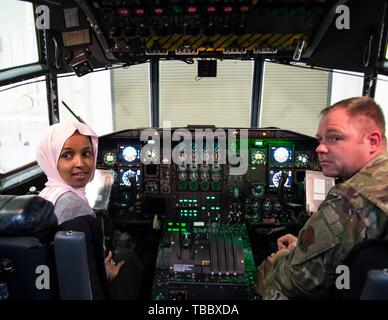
<point>307,238</point>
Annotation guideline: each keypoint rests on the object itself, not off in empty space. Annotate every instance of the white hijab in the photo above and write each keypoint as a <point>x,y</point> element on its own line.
<point>47,155</point>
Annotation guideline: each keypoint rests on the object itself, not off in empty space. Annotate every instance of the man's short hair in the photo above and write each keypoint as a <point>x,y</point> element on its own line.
<point>360,106</point>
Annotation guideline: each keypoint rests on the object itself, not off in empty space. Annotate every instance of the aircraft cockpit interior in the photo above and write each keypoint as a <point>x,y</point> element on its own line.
<point>211,197</point>
<point>197,193</point>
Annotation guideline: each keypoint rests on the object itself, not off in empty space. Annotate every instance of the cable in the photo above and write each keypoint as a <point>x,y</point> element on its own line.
<point>367,52</point>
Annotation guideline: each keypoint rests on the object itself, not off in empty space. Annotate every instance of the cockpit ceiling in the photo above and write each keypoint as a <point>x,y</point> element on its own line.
<point>86,34</point>
<point>208,28</point>
<point>107,32</point>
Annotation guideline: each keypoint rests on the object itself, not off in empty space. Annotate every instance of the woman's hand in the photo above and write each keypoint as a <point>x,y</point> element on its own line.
<point>111,267</point>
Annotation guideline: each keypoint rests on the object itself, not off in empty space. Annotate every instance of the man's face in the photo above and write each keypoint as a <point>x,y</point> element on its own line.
<point>343,147</point>
<point>76,161</point>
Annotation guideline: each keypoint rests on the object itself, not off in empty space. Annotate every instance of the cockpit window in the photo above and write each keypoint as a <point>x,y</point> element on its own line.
<point>88,97</point>
<point>224,100</point>
<point>131,97</point>
<point>293,97</point>
<point>18,41</point>
<point>23,118</point>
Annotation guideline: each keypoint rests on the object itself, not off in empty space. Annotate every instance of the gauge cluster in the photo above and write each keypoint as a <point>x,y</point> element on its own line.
<point>199,181</point>
<point>109,158</point>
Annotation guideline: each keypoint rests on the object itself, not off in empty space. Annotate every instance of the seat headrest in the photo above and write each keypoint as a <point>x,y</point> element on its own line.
<point>27,215</point>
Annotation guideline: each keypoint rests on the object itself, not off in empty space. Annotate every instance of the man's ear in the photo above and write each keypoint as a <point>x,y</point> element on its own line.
<point>375,140</point>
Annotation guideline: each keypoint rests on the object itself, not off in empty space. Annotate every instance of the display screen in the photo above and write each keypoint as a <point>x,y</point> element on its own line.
<point>281,156</point>
<point>275,176</point>
<point>127,173</point>
<point>129,153</point>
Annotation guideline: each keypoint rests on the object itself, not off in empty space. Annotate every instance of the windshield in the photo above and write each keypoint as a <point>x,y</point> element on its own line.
<point>170,89</point>
<point>23,118</point>
<point>18,45</point>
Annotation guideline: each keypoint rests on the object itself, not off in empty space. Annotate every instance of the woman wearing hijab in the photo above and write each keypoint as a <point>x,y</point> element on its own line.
<point>67,154</point>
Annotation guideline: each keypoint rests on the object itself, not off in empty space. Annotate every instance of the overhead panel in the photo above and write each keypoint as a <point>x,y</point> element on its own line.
<point>215,29</point>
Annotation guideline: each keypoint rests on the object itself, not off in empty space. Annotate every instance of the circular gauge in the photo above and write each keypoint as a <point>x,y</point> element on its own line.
<point>281,155</point>
<point>151,187</point>
<point>182,186</point>
<point>182,176</point>
<point>193,186</point>
<point>302,159</point>
<point>267,205</point>
<point>204,186</point>
<point>258,157</point>
<point>109,159</point>
<point>258,190</point>
<point>216,176</point>
<point>256,206</point>
<point>129,154</point>
<point>204,176</point>
<point>150,156</point>
<point>277,206</point>
<point>182,167</point>
<point>216,186</point>
<point>193,167</point>
<point>126,178</point>
<point>193,176</point>
<point>216,167</point>
<point>165,188</point>
<point>204,167</point>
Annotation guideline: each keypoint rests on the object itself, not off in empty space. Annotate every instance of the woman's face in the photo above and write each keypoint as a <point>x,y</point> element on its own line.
<point>76,160</point>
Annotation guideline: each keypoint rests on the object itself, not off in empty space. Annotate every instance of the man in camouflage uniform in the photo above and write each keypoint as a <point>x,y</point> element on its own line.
<point>352,145</point>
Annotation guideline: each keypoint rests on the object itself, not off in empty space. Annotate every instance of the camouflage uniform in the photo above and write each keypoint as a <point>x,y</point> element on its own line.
<point>354,210</point>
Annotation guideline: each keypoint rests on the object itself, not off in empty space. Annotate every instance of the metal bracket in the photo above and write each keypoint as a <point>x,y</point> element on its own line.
<point>94,25</point>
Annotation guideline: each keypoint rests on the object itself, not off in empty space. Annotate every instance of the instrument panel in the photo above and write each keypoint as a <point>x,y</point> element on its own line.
<point>228,178</point>
<point>210,188</point>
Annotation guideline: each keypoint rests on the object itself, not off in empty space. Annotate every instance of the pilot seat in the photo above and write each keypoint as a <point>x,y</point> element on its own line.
<point>37,260</point>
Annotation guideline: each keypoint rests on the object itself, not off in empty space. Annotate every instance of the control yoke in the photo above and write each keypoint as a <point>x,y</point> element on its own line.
<point>292,206</point>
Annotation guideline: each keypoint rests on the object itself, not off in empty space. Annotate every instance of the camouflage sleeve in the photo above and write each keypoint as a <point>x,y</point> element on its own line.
<point>308,270</point>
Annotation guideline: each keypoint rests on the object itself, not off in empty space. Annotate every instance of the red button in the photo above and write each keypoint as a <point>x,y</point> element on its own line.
<point>228,9</point>
<point>192,9</point>
<point>244,8</point>
<point>123,11</point>
<point>211,9</point>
